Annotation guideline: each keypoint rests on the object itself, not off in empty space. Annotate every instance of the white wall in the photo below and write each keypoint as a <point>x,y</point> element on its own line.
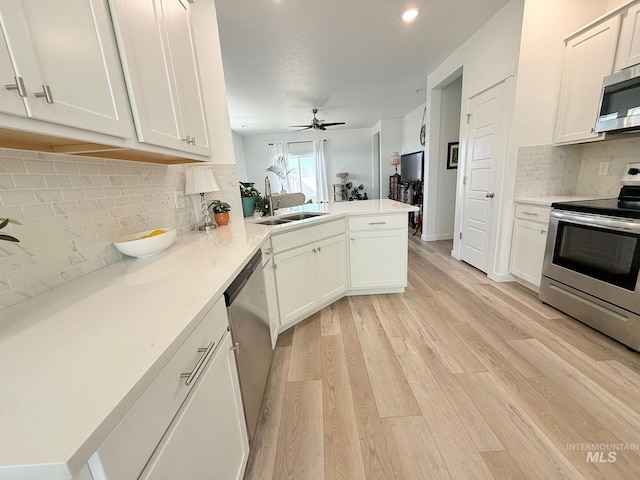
<point>241,163</point>
<point>451,103</point>
<point>486,58</point>
<point>205,31</point>
<point>345,151</point>
<point>411,124</point>
<point>390,142</point>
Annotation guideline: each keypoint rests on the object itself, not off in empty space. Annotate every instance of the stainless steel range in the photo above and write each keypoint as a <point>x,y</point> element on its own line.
<point>592,261</point>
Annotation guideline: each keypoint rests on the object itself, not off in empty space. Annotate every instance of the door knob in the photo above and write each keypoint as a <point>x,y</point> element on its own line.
<point>489,195</point>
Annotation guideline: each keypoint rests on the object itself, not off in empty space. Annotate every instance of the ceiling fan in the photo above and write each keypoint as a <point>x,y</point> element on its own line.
<point>316,124</point>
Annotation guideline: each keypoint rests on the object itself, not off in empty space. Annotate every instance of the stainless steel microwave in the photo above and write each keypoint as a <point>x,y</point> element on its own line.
<point>620,103</point>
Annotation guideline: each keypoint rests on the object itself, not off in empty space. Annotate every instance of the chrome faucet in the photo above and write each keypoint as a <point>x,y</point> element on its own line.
<point>267,193</point>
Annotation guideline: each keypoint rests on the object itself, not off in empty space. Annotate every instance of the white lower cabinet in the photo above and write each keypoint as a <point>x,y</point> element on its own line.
<point>378,251</point>
<point>310,276</point>
<point>189,423</point>
<point>270,289</point>
<point>528,243</point>
<point>310,268</point>
<point>207,439</point>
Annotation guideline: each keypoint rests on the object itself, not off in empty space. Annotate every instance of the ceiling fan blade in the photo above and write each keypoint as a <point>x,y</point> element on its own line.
<point>300,126</point>
<point>332,124</point>
<point>305,128</point>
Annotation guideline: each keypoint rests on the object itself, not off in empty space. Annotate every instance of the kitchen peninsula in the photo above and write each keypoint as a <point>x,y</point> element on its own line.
<point>76,359</point>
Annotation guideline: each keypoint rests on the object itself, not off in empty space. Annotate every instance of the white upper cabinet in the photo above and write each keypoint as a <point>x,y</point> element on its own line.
<point>11,91</point>
<point>64,53</point>
<point>588,59</point>
<point>159,61</point>
<point>628,52</point>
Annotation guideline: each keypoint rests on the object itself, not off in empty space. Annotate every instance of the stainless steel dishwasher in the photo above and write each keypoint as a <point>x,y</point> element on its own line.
<point>246,301</point>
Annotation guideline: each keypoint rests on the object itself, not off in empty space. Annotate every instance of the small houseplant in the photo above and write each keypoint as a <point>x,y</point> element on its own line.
<point>355,193</point>
<point>279,167</point>
<point>248,193</point>
<point>220,211</point>
<point>3,223</point>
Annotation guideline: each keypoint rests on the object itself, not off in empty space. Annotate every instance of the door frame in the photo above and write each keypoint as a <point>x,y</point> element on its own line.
<point>499,171</point>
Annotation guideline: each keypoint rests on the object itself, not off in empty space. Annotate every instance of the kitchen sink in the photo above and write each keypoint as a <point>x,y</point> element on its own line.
<point>273,221</point>
<point>301,215</point>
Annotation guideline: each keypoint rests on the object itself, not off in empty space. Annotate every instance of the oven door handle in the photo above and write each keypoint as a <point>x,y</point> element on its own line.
<point>610,223</point>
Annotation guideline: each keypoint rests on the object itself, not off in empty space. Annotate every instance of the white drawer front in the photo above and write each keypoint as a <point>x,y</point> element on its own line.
<point>378,222</point>
<point>306,235</point>
<point>131,444</point>
<point>535,213</point>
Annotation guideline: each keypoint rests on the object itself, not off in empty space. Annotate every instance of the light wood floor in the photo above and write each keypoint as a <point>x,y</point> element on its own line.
<point>457,378</point>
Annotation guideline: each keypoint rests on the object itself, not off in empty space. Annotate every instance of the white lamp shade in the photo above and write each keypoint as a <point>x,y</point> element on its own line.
<point>200,180</point>
<point>395,158</point>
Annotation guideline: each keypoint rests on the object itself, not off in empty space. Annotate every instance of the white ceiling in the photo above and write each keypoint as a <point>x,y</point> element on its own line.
<point>354,60</point>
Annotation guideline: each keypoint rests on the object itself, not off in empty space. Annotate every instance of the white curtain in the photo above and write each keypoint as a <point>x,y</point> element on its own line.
<point>282,149</point>
<point>322,184</point>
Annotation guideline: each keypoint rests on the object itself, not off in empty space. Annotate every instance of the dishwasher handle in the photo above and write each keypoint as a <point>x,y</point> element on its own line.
<point>241,279</point>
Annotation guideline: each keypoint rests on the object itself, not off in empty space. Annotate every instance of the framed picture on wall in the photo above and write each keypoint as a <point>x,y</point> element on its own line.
<point>452,155</point>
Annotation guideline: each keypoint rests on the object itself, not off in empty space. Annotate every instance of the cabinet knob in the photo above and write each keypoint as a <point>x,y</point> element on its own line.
<point>19,86</point>
<point>46,94</point>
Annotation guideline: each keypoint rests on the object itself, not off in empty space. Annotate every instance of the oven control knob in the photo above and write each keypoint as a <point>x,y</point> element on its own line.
<point>633,171</point>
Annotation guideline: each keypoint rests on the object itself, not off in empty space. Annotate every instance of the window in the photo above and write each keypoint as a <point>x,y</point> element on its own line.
<point>303,174</point>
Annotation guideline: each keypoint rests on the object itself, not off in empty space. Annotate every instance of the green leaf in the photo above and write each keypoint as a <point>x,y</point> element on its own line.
<point>9,238</point>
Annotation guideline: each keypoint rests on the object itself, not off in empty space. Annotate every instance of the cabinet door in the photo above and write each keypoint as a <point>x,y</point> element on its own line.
<point>378,259</point>
<point>628,52</point>
<point>331,268</point>
<point>10,99</point>
<point>272,301</point>
<point>588,59</point>
<point>147,67</point>
<point>185,69</point>
<point>527,250</point>
<point>67,47</point>
<point>208,439</point>
<point>296,283</point>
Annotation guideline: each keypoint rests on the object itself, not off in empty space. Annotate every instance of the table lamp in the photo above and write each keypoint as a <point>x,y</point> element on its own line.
<point>395,160</point>
<point>394,180</point>
<point>201,180</point>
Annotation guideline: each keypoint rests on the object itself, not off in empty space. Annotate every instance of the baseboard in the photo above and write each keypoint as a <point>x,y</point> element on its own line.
<point>445,236</point>
<point>374,291</point>
<point>428,238</point>
<point>502,277</point>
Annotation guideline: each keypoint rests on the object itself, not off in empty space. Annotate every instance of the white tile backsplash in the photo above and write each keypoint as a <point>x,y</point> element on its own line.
<point>618,153</point>
<point>545,170</point>
<point>73,208</point>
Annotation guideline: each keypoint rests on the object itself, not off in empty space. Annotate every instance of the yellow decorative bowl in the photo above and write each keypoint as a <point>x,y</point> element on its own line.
<point>142,245</point>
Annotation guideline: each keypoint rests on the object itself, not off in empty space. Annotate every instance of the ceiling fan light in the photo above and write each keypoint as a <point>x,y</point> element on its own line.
<point>410,14</point>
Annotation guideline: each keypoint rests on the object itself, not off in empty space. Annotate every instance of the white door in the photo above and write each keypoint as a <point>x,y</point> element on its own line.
<point>185,70</point>
<point>484,145</point>
<point>296,282</point>
<point>208,439</point>
<point>331,263</point>
<point>10,98</point>
<point>66,49</point>
<point>378,259</point>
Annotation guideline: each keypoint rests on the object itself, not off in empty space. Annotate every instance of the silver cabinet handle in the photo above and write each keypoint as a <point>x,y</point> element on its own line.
<point>543,231</point>
<point>489,195</point>
<point>206,352</point>
<point>192,141</point>
<point>313,250</point>
<point>46,93</point>
<point>533,214</point>
<point>319,250</point>
<point>235,348</point>
<point>186,139</point>
<point>19,86</point>
<point>268,251</point>
<point>377,223</point>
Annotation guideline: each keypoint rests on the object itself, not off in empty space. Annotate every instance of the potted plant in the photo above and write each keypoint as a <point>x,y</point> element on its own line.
<point>3,223</point>
<point>279,167</point>
<point>355,193</point>
<point>220,212</point>
<point>248,193</point>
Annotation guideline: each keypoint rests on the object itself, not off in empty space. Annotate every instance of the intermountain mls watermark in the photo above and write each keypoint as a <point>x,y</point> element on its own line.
<point>603,452</point>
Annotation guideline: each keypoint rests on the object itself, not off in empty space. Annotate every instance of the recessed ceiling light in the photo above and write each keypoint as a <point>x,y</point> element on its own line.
<point>410,14</point>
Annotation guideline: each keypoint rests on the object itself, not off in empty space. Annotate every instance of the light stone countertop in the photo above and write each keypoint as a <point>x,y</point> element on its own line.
<point>547,201</point>
<point>74,359</point>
